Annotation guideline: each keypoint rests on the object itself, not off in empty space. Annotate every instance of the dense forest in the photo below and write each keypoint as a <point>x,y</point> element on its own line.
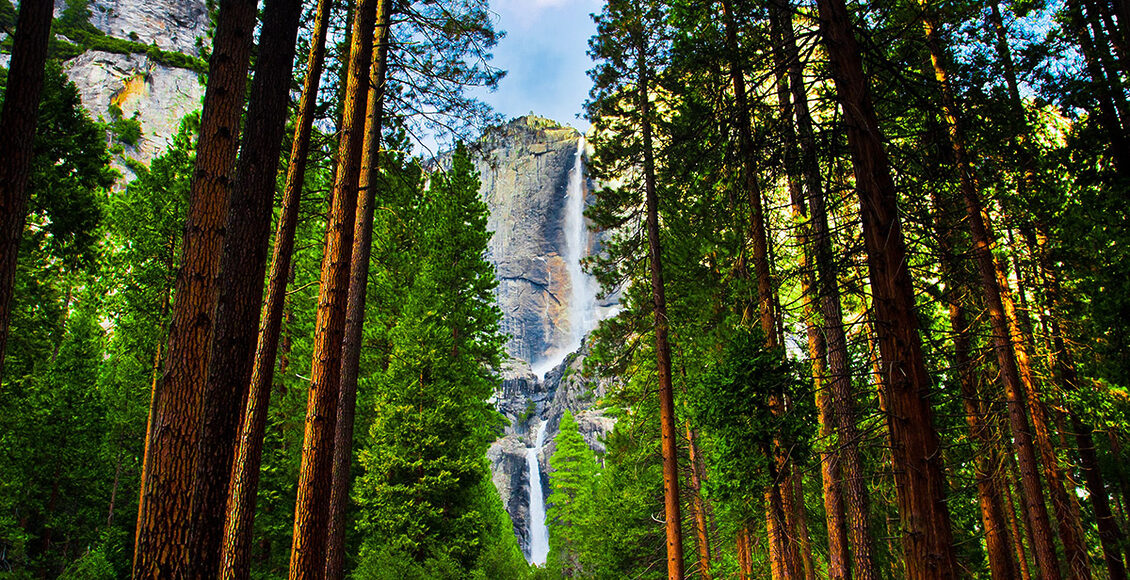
<point>871,257</point>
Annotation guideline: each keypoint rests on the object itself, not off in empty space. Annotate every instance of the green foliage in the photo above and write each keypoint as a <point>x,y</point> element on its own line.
<point>570,504</point>
<point>125,131</point>
<point>74,23</point>
<point>424,465</point>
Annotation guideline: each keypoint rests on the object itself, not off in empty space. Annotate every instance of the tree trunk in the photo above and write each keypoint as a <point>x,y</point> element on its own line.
<point>986,456</point>
<point>162,547</point>
<point>783,553</point>
<point>355,309</point>
<point>244,482</point>
<point>698,505</point>
<point>915,452</point>
<point>745,559</point>
<point>1108,116</point>
<point>241,281</point>
<point>662,346</point>
<point>1110,536</point>
<point>18,120</point>
<point>311,513</point>
<point>1002,337</point>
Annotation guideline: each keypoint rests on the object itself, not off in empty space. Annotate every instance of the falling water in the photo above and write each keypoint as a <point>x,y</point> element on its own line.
<point>582,313</point>
<point>539,534</point>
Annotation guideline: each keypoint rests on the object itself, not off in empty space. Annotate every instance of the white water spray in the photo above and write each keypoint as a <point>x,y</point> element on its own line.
<point>539,533</point>
<point>582,312</point>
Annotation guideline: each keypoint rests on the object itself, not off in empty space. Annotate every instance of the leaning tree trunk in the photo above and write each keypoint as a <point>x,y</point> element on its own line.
<point>241,281</point>
<point>17,124</point>
<point>161,548</point>
<point>355,308</point>
<point>698,504</point>
<point>838,369</point>
<point>784,557</point>
<point>243,486</point>
<point>986,456</point>
<point>662,345</point>
<point>311,512</point>
<point>915,452</point>
<point>1002,337</point>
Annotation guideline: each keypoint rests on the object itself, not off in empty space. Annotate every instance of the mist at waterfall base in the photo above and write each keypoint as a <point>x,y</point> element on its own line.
<point>539,533</point>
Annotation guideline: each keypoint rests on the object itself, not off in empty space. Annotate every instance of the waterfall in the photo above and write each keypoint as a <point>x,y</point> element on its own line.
<point>539,534</point>
<point>582,313</point>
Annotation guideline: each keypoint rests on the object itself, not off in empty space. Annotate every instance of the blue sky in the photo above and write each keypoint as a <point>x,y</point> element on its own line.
<point>544,54</point>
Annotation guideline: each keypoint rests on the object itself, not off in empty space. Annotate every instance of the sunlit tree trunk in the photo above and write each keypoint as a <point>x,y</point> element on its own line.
<point>355,308</point>
<point>244,481</point>
<point>698,505</point>
<point>241,280</point>
<point>311,513</point>
<point>927,538</point>
<point>1003,344</point>
<point>162,542</point>
<point>662,346</point>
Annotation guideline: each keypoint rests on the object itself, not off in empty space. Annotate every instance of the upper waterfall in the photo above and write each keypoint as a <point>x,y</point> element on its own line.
<point>581,309</point>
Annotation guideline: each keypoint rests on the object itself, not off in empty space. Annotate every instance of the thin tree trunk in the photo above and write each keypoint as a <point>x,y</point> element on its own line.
<point>311,513</point>
<point>1017,535</point>
<point>782,552</point>
<point>745,559</point>
<point>241,281</point>
<point>162,547</point>
<point>831,312</point>
<point>986,456</point>
<point>355,309</point>
<point>915,452</point>
<point>698,505</point>
<point>1110,536</point>
<point>18,120</point>
<point>244,481</point>
<point>1002,337</point>
<point>1108,117</point>
<point>662,346</point>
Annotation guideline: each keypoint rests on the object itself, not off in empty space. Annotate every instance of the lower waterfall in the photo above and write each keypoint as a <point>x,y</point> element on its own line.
<point>539,533</point>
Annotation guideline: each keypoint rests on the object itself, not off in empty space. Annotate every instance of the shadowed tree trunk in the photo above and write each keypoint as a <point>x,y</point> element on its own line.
<point>698,505</point>
<point>162,548</point>
<point>1002,338</point>
<point>236,544</point>
<point>920,483</point>
<point>311,513</point>
<point>18,119</point>
<point>241,280</point>
<point>355,309</point>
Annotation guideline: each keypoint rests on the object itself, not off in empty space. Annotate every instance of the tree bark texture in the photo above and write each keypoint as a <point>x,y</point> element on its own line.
<point>18,120</point>
<point>241,280</point>
<point>311,513</point>
<point>920,483</point>
<point>355,307</point>
<point>244,482</point>
<point>162,542</point>
<point>662,345</point>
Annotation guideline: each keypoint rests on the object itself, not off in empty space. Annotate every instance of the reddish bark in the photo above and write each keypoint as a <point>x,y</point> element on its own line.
<point>920,483</point>
<point>355,307</point>
<point>162,543</point>
<point>311,513</point>
<point>236,543</point>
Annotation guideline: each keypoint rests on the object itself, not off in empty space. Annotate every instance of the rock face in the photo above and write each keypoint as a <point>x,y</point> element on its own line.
<point>524,167</point>
<point>170,24</point>
<point>160,95</point>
